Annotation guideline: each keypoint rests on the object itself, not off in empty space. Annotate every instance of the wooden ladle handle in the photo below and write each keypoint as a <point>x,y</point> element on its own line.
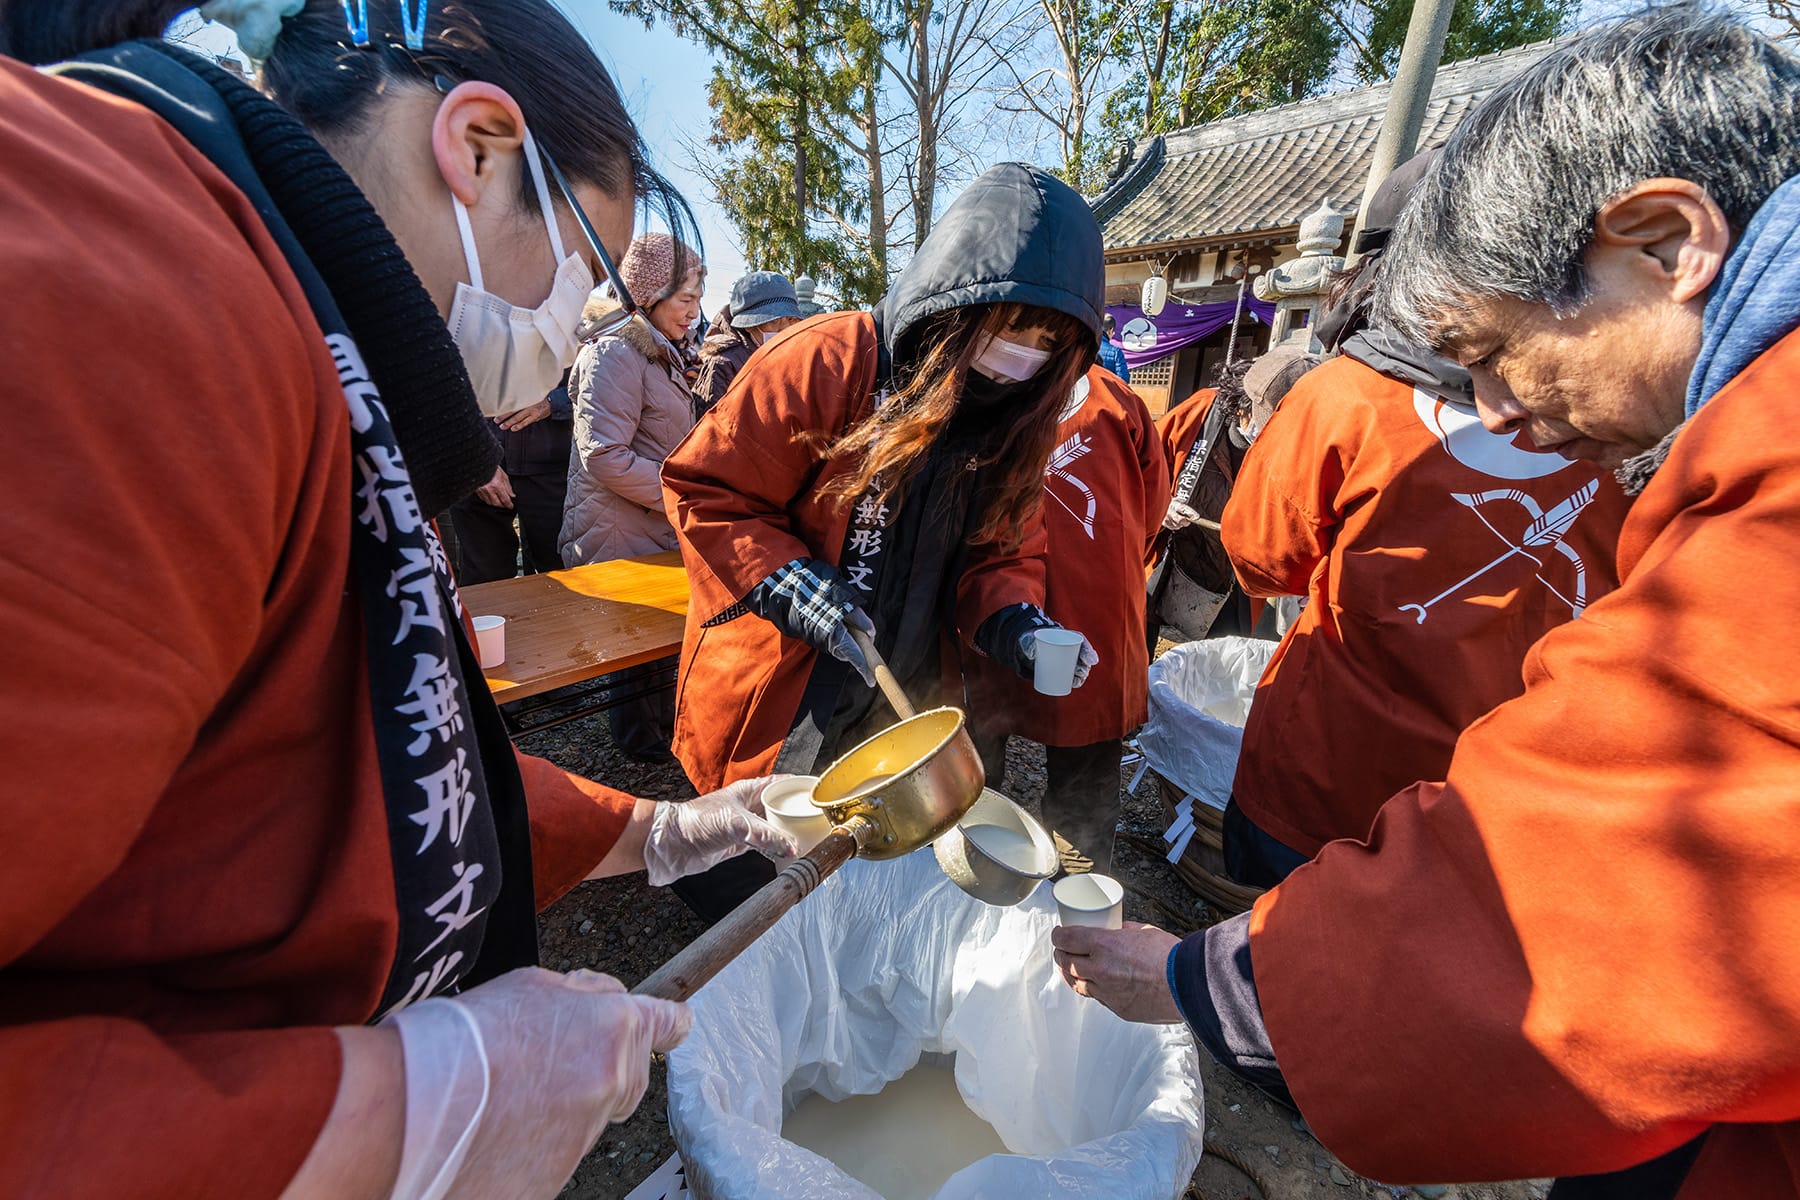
<point>890,687</point>
<point>707,954</point>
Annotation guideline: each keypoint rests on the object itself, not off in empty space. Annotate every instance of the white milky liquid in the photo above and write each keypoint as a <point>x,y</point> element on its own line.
<point>1008,847</point>
<point>905,1141</point>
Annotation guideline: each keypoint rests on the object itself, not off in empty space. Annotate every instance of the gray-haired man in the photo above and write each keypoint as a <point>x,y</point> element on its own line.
<point>1579,955</point>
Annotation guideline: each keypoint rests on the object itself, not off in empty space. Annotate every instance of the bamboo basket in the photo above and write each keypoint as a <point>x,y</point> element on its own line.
<point>1202,865</point>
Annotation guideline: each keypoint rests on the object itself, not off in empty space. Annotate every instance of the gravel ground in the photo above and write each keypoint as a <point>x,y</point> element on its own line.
<point>627,929</point>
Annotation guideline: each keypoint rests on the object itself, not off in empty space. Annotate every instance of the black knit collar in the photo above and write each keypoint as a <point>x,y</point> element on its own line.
<point>450,448</point>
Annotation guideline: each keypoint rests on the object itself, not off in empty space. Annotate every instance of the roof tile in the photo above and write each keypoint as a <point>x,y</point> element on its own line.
<point>1264,171</point>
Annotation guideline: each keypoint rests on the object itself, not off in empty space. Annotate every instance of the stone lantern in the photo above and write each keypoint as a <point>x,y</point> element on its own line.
<point>804,291</point>
<point>1298,288</point>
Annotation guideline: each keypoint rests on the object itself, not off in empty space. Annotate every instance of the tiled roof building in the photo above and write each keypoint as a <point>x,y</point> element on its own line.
<point>1198,201</point>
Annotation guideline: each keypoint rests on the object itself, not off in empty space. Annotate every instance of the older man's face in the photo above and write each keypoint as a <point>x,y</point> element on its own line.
<point>1604,384</point>
<point>1610,381</point>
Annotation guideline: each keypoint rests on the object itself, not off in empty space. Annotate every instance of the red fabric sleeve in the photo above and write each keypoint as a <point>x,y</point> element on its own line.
<point>1178,428</point>
<point>102,1107</point>
<point>1153,465</point>
<point>730,484</point>
<point>156,433</point>
<point>574,822</point>
<point>996,577</point>
<point>1282,518</point>
<point>1594,918</point>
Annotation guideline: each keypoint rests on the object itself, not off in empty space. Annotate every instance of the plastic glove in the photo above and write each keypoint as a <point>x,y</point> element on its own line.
<point>806,600</point>
<point>1179,516</point>
<point>511,1083</point>
<point>687,837</point>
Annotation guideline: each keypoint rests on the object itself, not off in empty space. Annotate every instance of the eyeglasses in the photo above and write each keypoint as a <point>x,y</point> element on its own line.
<point>628,308</point>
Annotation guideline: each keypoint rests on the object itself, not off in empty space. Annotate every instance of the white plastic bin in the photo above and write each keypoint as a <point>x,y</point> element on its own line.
<point>890,961</point>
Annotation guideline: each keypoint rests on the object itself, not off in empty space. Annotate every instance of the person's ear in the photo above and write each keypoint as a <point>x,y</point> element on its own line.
<point>478,129</point>
<point>1671,227</point>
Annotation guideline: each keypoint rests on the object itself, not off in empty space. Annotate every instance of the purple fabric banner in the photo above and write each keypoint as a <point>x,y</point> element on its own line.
<point>1148,339</point>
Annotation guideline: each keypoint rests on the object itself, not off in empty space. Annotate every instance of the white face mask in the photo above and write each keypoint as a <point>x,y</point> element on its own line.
<point>516,356</point>
<point>1007,362</point>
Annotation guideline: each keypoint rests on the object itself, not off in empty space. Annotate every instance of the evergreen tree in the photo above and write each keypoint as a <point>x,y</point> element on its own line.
<point>789,79</point>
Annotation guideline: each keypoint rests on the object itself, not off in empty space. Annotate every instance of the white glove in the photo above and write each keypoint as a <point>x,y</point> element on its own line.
<point>511,1083</point>
<point>1085,660</point>
<point>687,837</point>
<point>1179,516</point>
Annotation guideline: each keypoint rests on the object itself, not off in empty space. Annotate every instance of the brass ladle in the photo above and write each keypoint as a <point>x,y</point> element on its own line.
<point>890,795</point>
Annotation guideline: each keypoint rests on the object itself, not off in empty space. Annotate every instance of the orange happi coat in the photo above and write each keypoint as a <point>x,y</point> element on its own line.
<point>1432,554</point>
<point>197,884</point>
<point>745,495</point>
<point>1105,490</point>
<point>1201,553</point>
<point>1583,949</point>
<point>1178,428</point>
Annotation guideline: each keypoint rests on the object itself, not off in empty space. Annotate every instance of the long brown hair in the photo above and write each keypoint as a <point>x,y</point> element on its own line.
<point>892,442</point>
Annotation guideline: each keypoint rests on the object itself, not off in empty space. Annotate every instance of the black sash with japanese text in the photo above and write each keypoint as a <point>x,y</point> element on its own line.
<point>441,832</point>
<point>458,833</point>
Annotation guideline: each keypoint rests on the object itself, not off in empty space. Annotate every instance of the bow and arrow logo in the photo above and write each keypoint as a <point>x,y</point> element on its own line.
<point>1467,441</point>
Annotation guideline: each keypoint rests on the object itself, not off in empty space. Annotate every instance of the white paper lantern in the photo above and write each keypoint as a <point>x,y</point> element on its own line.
<point>1154,296</point>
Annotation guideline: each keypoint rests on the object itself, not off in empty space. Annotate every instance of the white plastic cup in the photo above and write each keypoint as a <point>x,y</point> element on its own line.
<point>1058,650</point>
<point>490,641</point>
<point>1096,900</point>
<point>789,807</point>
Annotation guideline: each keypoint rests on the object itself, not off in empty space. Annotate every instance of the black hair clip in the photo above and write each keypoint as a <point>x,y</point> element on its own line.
<point>358,23</point>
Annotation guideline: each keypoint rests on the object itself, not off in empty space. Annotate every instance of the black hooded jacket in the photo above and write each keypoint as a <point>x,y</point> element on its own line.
<point>1015,235</point>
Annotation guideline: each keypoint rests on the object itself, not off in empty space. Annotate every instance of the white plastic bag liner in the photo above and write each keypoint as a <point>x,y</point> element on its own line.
<point>888,962</point>
<point>1200,694</point>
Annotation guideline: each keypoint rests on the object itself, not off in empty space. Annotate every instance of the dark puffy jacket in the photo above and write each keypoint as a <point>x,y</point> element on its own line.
<point>722,356</point>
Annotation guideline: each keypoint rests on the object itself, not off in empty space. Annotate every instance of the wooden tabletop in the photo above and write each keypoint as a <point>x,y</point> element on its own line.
<point>567,626</point>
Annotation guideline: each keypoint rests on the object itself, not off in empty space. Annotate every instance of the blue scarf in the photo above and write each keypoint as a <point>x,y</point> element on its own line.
<point>1755,300</point>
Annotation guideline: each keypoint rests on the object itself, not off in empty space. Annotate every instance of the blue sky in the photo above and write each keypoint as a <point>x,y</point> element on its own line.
<point>663,79</point>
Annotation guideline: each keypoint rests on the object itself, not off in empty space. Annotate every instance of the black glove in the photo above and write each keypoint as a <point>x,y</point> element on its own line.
<point>806,600</point>
<point>1009,637</point>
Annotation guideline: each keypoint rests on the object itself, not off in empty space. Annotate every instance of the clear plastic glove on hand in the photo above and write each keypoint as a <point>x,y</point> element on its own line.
<point>511,1083</point>
<point>1179,516</point>
<point>806,600</point>
<point>687,837</point>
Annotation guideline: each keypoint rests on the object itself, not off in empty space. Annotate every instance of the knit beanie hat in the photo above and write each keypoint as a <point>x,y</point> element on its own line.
<point>649,267</point>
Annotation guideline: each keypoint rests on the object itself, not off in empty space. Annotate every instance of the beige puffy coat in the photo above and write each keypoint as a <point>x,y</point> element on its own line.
<point>631,407</point>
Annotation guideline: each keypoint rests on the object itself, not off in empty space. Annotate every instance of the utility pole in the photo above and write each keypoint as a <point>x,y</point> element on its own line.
<point>1408,96</point>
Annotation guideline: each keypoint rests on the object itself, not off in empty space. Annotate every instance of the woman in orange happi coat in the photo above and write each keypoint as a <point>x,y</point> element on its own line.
<point>1434,554</point>
<point>267,920</point>
<point>1194,586</point>
<point>1104,494</point>
<point>881,470</point>
<point>1577,955</point>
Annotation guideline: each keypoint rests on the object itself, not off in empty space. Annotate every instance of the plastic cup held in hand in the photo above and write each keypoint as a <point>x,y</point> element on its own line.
<point>1096,900</point>
<point>1058,650</point>
<point>490,641</point>
<point>789,807</point>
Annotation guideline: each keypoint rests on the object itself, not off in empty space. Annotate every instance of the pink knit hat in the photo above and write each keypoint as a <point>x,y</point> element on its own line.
<point>649,267</point>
